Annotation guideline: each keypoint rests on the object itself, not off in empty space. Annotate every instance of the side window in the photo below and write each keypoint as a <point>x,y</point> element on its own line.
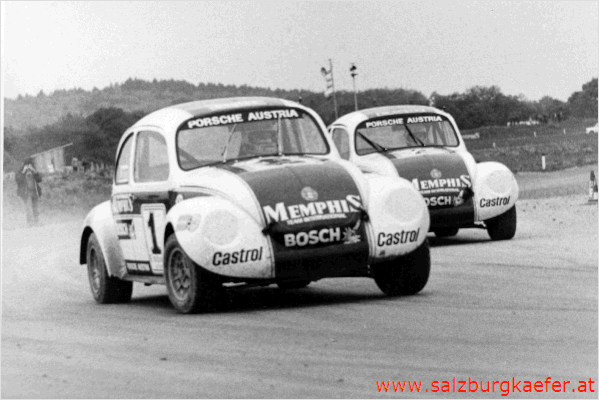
<point>123,163</point>
<point>341,140</point>
<point>151,158</point>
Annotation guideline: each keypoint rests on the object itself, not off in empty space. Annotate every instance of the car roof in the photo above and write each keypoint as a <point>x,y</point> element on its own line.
<point>170,118</point>
<point>356,117</point>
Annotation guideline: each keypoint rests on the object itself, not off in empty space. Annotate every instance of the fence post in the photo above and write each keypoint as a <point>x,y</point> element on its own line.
<point>543,162</point>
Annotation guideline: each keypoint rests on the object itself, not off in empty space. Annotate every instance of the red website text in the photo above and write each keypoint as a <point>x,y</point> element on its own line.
<point>505,387</point>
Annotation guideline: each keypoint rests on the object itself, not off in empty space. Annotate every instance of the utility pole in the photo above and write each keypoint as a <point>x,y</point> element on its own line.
<point>352,71</point>
<point>334,94</point>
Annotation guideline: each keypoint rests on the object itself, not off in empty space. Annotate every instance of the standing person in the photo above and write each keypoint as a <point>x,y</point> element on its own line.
<point>28,189</point>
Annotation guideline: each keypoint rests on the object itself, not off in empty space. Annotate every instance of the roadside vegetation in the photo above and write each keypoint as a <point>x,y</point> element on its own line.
<point>521,147</point>
<point>560,153</point>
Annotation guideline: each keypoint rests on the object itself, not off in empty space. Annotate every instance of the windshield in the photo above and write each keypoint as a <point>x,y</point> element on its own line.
<point>398,132</point>
<point>246,134</point>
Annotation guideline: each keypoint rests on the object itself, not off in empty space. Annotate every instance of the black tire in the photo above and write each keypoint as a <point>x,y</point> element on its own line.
<point>105,289</point>
<point>446,232</point>
<point>290,285</point>
<point>191,289</point>
<point>502,227</point>
<point>406,275</point>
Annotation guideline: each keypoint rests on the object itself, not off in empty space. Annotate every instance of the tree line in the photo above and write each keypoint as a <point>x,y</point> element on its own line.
<point>487,106</point>
<point>95,120</point>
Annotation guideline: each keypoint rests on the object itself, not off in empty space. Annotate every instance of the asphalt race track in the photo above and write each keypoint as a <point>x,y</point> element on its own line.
<point>525,308</point>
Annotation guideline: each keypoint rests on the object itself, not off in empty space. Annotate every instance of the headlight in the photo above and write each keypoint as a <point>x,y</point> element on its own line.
<point>499,181</point>
<point>404,204</point>
<point>220,227</point>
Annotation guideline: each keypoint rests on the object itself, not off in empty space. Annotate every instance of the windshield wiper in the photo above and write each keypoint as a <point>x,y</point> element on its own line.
<point>375,145</point>
<point>224,155</point>
<point>420,142</point>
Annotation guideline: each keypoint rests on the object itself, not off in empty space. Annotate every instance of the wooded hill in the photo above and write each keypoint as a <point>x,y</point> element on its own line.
<point>95,120</point>
<point>139,95</point>
<point>478,106</point>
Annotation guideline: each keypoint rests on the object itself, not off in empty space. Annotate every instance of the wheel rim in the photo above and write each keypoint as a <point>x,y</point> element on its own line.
<point>94,270</point>
<point>180,275</point>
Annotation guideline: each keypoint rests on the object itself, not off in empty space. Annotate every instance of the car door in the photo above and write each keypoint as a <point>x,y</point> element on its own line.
<point>126,216</point>
<point>151,187</point>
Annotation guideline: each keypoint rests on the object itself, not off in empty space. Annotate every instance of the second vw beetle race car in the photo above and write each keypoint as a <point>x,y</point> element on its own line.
<point>247,191</point>
<point>424,145</point>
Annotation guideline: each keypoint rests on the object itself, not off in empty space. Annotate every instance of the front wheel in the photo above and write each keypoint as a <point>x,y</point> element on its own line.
<point>405,275</point>
<point>190,288</point>
<point>105,289</point>
<point>502,227</point>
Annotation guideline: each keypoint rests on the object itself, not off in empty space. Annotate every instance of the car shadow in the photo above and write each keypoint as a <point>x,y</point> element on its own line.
<point>272,298</point>
<point>455,241</point>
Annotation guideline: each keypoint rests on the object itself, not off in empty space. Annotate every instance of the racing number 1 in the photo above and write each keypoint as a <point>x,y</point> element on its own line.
<point>154,218</point>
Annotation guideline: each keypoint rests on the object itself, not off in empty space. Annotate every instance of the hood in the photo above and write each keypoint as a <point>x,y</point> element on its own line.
<point>439,174</point>
<point>306,202</point>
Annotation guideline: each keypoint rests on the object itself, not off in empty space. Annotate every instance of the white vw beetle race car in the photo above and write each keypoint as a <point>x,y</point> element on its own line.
<point>424,145</point>
<point>247,192</point>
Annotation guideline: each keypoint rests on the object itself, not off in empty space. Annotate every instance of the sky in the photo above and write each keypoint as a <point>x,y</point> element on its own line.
<point>530,48</point>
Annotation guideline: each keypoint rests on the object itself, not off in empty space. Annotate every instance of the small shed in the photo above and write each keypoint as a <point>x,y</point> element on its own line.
<point>50,161</point>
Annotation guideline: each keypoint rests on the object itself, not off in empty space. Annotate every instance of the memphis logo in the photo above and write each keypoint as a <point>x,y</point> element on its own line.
<point>436,185</point>
<point>312,211</point>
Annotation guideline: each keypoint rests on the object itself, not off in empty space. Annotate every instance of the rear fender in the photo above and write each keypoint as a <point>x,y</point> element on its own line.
<point>222,238</point>
<point>100,222</point>
<point>495,190</point>
<point>399,217</point>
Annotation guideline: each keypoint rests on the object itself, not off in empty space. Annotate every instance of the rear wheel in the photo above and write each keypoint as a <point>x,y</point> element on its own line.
<point>105,289</point>
<point>502,227</point>
<point>405,275</point>
<point>289,285</point>
<point>191,289</point>
<point>446,232</point>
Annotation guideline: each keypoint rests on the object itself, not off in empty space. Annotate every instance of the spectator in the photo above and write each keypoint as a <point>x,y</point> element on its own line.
<point>29,189</point>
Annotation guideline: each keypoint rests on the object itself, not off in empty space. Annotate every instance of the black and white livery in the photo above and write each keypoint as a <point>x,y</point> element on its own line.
<point>247,191</point>
<point>424,145</point>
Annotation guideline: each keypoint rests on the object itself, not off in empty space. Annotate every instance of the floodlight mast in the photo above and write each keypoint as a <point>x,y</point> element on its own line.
<point>333,84</point>
<point>352,71</point>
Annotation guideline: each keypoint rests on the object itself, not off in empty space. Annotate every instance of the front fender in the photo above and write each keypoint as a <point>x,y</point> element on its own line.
<point>222,238</point>
<point>399,217</point>
<point>495,190</point>
<point>100,222</point>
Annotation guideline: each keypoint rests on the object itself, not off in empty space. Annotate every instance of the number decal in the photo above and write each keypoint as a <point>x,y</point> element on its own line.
<point>153,220</point>
<point>155,248</point>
